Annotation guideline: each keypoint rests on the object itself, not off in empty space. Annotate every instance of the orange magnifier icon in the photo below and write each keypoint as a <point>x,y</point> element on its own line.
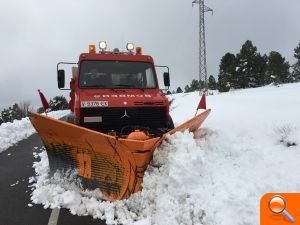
<point>277,205</point>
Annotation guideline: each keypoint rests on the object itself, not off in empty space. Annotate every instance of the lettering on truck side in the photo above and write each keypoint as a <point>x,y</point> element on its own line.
<point>91,104</point>
<point>123,96</point>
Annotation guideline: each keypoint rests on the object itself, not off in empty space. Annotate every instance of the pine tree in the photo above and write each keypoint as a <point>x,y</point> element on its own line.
<point>260,68</point>
<point>227,73</point>
<point>195,85</point>
<point>168,92</point>
<point>11,114</point>
<point>40,110</point>
<point>16,112</point>
<point>201,85</point>
<point>59,103</point>
<point>6,115</point>
<point>179,90</point>
<point>278,68</point>
<point>296,66</point>
<point>212,84</point>
<point>247,70</point>
<point>187,89</point>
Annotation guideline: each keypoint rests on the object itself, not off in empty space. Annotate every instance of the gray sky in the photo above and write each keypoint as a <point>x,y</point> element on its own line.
<point>35,35</point>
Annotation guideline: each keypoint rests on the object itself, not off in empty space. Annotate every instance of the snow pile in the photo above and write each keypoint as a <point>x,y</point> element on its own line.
<point>12,133</point>
<point>215,176</point>
<point>169,195</point>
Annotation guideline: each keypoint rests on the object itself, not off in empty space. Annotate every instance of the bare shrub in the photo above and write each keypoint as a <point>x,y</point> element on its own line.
<point>285,134</point>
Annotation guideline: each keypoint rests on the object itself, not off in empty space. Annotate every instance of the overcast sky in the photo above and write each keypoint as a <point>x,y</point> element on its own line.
<point>36,34</point>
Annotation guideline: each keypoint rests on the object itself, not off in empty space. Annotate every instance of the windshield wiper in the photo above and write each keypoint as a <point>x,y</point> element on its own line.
<point>95,86</point>
<point>128,86</point>
<point>124,85</point>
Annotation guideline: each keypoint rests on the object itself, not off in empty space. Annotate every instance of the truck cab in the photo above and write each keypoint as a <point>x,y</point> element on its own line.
<point>118,92</point>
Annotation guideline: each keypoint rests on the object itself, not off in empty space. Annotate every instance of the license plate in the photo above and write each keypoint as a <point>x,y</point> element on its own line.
<point>90,104</point>
<point>93,119</point>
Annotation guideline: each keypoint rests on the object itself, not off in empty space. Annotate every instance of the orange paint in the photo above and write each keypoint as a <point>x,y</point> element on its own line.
<point>115,165</point>
<point>138,135</point>
<point>84,162</point>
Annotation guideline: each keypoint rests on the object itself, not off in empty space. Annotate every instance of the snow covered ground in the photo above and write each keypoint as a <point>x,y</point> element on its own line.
<point>249,145</point>
<point>12,133</point>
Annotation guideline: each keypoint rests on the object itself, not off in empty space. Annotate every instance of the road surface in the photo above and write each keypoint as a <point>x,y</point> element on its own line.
<point>15,169</point>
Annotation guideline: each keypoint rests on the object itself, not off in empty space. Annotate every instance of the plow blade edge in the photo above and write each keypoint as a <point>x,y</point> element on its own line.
<point>114,165</point>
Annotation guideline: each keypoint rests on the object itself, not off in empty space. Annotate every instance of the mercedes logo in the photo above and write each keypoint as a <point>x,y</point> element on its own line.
<point>125,115</point>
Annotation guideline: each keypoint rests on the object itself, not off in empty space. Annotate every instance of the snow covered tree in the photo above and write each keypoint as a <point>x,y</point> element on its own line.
<point>247,70</point>
<point>227,74</point>
<point>187,89</point>
<point>168,92</point>
<point>11,114</point>
<point>212,84</point>
<point>16,112</point>
<point>59,103</point>
<point>179,90</point>
<point>260,67</point>
<point>6,115</point>
<point>296,66</point>
<point>278,68</point>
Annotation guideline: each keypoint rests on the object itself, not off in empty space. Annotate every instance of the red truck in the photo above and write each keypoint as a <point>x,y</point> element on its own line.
<point>115,91</point>
<point>119,117</point>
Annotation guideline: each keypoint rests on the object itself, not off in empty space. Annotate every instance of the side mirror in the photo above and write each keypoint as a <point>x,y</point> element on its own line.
<point>167,79</point>
<point>61,78</point>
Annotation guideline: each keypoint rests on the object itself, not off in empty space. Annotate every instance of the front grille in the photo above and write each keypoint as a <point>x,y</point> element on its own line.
<point>151,117</point>
<point>149,103</point>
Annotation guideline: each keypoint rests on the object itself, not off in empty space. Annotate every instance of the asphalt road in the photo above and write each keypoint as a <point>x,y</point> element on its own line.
<point>15,169</point>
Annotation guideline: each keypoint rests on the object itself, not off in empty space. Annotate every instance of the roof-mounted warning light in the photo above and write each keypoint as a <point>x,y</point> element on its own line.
<point>102,45</point>
<point>138,51</point>
<point>92,49</point>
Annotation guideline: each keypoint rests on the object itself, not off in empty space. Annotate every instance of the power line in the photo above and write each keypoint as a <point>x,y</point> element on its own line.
<point>202,45</point>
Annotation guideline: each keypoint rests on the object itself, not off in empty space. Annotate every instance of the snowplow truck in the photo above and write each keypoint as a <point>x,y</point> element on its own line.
<point>119,116</point>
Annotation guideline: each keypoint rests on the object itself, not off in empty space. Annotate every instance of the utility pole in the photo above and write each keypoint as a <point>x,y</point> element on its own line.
<point>202,46</point>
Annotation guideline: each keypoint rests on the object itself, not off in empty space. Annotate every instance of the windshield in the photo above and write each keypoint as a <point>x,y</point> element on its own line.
<point>116,74</point>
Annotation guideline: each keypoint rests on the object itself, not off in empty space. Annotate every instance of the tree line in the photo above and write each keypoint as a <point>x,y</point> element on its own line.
<point>19,111</point>
<point>250,69</point>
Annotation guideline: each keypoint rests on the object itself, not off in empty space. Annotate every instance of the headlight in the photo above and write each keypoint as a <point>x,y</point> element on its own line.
<point>130,47</point>
<point>102,45</point>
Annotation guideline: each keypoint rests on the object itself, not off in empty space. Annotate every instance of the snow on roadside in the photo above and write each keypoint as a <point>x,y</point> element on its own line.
<point>12,133</point>
<point>216,176</point>
<point>167,196</point>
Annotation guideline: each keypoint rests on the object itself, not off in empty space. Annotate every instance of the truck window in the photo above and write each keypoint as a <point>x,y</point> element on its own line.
<point>116,74</point>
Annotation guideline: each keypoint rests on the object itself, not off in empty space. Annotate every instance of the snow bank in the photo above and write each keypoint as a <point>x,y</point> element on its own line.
<point>215,176</point>
<point>12,133</point>
<point>168,196</point>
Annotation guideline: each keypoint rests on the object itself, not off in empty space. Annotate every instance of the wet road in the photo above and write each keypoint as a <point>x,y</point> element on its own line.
<point>15,169</point>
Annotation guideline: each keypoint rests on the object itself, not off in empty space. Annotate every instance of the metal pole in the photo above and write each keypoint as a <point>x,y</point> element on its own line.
<point>200,41</point>
<point>202,45</point>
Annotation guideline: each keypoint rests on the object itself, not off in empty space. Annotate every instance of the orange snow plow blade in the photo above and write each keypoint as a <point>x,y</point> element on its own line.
<point>114,165</point>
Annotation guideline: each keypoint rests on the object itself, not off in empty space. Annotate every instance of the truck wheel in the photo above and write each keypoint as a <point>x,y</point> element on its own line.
<point>171,124</point>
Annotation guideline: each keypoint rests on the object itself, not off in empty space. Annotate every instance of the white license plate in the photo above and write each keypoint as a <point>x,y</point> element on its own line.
<point>93,119</point>
<point>89,104</point>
